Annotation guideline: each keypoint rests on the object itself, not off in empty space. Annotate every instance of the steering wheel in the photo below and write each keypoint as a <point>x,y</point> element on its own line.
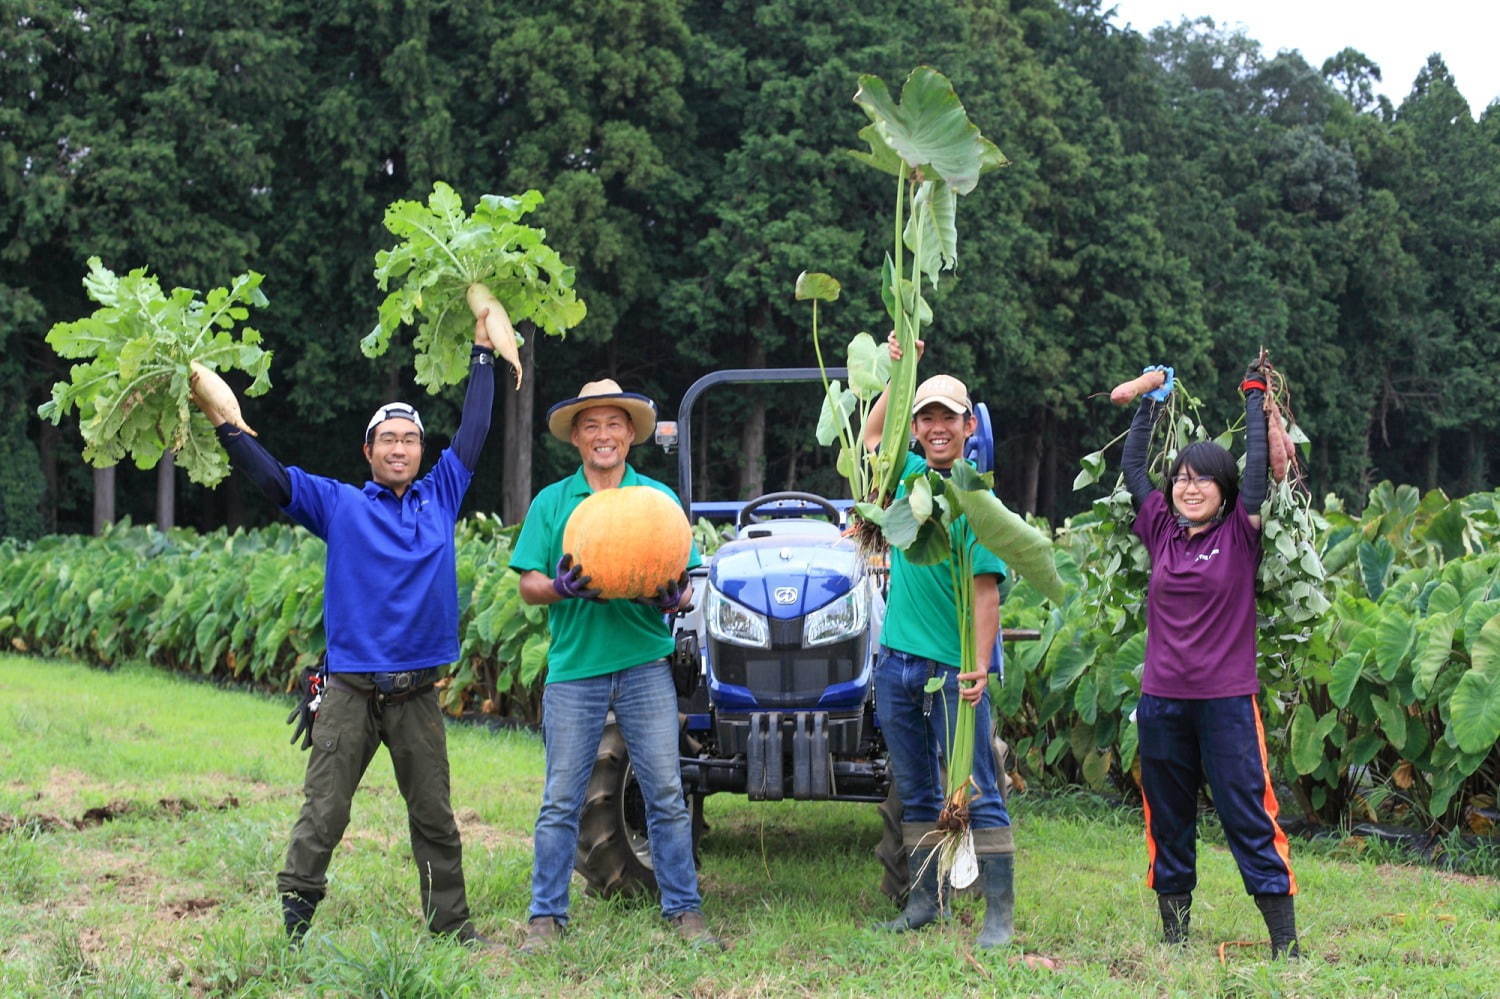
<point>748,513</point>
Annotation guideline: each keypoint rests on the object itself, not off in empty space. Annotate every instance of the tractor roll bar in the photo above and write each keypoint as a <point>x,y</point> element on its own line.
<point>729,376</point>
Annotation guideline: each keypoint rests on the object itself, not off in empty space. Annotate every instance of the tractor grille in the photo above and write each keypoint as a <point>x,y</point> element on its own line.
<point>788,676</point>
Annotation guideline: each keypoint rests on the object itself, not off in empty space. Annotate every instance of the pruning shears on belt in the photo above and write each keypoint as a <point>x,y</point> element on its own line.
<point>313,683</point>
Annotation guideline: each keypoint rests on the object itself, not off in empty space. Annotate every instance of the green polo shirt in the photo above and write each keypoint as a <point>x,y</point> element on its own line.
<point>589,637</point>
<point>921,617</point>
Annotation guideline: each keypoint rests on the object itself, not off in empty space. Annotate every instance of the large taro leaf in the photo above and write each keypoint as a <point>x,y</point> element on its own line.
<point>1024,548</point>
<point>928,130</point>
<point>1474,711</point>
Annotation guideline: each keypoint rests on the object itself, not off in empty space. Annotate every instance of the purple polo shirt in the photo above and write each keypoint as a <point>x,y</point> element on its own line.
<point>1200,604</point>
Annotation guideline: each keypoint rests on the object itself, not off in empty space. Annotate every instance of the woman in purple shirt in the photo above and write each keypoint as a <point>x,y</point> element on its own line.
<point>1198,718</point>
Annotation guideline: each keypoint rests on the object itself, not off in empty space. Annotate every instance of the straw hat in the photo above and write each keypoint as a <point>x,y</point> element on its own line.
<point>605,392</point>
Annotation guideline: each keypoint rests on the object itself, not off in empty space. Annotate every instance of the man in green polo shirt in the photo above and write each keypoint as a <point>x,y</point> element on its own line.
<point>606,655</point>
<point>919,642</point>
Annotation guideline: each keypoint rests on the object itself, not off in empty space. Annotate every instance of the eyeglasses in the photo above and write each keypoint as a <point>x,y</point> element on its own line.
<point>1201,481</point>
<point>390,440</point>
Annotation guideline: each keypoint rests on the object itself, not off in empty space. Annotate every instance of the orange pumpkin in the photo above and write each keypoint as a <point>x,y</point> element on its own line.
<point>630,541</point>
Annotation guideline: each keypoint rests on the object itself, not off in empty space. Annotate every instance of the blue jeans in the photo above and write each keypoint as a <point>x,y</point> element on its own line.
<point>918,741</point>
<point>573,714</point>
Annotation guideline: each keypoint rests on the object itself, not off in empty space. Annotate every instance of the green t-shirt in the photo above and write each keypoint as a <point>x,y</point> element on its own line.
<point>921,617</point>
<point>589,638</point>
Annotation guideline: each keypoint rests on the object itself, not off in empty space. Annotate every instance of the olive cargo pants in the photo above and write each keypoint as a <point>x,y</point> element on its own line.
<point>349,729</point>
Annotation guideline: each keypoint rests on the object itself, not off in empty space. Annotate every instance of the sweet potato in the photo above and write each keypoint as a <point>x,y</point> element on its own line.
<point>1124,392</point>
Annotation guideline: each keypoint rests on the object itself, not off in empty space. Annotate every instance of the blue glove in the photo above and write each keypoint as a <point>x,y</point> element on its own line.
<point>570,582</point>
<point>1160,395</point>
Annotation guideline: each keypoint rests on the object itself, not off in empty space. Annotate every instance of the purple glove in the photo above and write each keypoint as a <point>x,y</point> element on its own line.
<point>668,595</point>
<point>570,583</point>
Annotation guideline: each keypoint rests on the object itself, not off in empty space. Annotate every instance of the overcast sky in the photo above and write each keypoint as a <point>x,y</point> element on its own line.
<point>1396,36</point>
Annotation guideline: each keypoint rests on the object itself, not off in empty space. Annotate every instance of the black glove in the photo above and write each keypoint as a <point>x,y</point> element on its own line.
<point>303,715</point>
<point>1255,377</point>
<point>668,595</point>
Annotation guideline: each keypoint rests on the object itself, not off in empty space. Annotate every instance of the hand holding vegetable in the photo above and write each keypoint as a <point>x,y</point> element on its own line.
<point>972,687</point>
<point>668,595</point>
<point>213,396</point>
<point>895,346</point>
<point>149,356</point>
<point>1155,383</point>
<point>570,583</point>
<point>1255,375</point>
<point>481,331</point>
<point>449,262</point>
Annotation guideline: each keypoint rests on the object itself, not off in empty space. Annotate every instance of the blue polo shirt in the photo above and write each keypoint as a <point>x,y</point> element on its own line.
<point>589,637</point>
<point>390,592</point>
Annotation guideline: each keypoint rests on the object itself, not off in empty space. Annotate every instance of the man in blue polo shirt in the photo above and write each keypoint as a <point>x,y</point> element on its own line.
<point>606,655</point>
<point>390,611</point>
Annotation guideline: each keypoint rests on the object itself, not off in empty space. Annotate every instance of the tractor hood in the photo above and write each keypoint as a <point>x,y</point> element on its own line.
<point>786,577</point>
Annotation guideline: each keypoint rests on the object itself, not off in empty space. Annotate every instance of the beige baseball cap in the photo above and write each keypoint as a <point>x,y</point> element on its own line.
<point>944,389</point>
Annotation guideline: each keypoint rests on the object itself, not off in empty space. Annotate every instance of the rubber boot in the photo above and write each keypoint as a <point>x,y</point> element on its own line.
<point>922,903</point>
<point>1176,912</point>
<point>297,908</point>
<point>997,875</point>
<point>1281,921</point>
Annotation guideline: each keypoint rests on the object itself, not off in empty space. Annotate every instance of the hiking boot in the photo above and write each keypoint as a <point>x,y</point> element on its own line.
<point>542,934</point>
<point>1176,912</point>
<point>297,908</point>
<point>693,928</point>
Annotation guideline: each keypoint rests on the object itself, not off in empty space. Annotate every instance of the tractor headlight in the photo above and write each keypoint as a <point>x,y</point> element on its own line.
<point>841,619</point>
<point>732,623</point>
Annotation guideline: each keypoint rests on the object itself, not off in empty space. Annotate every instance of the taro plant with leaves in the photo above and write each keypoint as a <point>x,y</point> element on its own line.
<point>145,348</point>
<point>450,268</point>
<point>927,142</point>
<point>931,523</point>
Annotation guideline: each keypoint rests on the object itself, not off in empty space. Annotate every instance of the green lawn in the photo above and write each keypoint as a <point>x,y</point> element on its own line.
<point>174,895</point>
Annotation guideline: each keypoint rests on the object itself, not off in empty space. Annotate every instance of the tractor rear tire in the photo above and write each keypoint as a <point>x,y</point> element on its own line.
<point>892,851</point>
<point>614,846</point>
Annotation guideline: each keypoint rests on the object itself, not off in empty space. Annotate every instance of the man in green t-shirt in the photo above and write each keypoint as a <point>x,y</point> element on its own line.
<point>920,641</point>
<point>605,655</point>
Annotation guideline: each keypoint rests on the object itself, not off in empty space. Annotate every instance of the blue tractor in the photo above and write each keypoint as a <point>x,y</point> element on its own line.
<point>774,668</point>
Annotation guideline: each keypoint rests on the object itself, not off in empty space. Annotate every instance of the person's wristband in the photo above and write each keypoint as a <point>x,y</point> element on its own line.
<point>1250,384</point>
<point>481,355</point>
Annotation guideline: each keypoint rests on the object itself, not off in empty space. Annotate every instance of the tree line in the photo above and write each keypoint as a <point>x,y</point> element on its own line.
<point>1181,197</point>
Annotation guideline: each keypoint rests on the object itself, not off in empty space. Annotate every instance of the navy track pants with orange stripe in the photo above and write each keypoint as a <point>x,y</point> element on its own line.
<point>1184,742</point>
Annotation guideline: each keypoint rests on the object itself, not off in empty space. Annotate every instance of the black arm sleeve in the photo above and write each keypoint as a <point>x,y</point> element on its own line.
<point>247,455</point>
<point>1253,486</point>
<point>474,425</point>
<point>1133,462</point>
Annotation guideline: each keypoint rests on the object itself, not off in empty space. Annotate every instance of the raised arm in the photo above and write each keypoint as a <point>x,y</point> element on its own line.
<point>479,399</point>
<point>874,427</point>
<point>249,456</point>
<point>1253,486</point>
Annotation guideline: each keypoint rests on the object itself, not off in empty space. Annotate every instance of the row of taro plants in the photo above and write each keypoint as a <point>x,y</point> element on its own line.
<point>1386,705</point>
<point>248,606</point>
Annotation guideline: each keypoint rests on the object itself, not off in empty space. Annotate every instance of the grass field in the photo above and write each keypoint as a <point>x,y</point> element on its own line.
<point>145,816</point>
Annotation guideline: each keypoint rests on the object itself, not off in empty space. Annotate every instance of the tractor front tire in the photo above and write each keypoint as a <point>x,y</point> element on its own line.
<point>614,845</point>
<point>614,854</point>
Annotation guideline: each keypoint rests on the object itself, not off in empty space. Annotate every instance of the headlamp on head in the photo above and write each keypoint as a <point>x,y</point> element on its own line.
<point>393,411</point>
